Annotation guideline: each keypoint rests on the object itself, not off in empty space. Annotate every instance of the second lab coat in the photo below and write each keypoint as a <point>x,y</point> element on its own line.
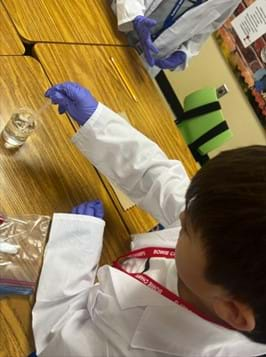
<point>188,33</point>
<point>118,316</point>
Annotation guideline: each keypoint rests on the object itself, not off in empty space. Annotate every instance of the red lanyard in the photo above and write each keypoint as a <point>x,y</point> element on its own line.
<point>157,252</point>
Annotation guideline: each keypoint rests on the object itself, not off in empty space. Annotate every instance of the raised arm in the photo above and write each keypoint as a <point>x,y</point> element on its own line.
<point>128,158</point>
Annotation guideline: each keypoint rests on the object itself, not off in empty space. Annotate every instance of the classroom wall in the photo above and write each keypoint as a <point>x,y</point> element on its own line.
<point>210,69</point>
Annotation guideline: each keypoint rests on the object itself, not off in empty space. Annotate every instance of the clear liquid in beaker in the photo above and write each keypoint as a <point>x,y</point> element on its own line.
<point>18,128</point>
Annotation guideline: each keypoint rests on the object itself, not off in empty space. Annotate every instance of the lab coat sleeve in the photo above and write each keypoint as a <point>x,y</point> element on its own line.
<point>193,46</point>
<point>192,49</point>
<point>192,30</point>
<point>135,164</point>
<point>69,268</point>
<point>126,11</point>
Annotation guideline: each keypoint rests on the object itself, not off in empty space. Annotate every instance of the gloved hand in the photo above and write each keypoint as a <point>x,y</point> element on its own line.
<point>73,99</point>
<point>143,26</point>
<point>175,59</point>
<point>90,208</point>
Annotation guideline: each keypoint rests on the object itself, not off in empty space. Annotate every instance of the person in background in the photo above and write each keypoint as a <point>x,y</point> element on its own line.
<point>170,32</point>
<point>196,288</point>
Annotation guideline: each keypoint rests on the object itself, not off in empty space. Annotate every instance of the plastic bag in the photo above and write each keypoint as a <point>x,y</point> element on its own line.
<point>22,242</point>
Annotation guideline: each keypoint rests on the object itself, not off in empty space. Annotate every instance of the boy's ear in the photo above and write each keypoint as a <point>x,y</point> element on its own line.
<point>235,313</point>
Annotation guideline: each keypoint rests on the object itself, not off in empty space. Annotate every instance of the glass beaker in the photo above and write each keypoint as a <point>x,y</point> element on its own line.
<point>19,127</point>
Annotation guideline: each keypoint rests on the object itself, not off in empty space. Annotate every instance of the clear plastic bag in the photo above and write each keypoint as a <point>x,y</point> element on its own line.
<point>22,242</point>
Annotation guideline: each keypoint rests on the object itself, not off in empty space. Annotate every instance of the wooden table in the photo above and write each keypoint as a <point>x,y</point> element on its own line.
<point>47,174</point>
<point>76,21</point>
<point>10,43</point>
<point>91,66</point>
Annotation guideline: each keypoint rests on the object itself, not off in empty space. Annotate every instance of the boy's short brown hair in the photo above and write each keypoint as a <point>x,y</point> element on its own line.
<point>226,204</point>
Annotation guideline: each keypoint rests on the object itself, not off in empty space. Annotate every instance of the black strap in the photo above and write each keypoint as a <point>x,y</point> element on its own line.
<point>202,159</point>
<point>169,94</point>
<point>212,133</point>
<point>197,112</point>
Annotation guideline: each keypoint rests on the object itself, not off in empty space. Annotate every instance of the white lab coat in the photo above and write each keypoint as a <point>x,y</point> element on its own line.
<point>188,33</point>
<point>118,316</point>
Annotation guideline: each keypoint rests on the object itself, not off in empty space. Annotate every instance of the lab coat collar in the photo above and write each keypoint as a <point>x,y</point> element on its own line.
<point>187,334</point>
<point>130,292</point>
<point>165,238</point>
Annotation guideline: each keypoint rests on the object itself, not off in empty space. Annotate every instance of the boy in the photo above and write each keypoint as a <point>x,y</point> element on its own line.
<point>208,301</point>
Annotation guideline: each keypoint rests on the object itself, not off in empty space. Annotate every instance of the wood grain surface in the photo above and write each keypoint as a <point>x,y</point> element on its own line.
<point>91,66</point>
<point>47,174</point>
<point>76,21</point>
<point>10,43</point>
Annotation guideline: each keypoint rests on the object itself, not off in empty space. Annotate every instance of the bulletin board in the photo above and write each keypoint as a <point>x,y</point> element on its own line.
<point>242,40</point>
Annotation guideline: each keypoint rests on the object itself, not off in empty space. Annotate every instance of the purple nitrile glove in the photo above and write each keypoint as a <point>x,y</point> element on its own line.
<point>90,208</point>
<point>143,27</point>
<point>175,59</point>
<point>73,99</point>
